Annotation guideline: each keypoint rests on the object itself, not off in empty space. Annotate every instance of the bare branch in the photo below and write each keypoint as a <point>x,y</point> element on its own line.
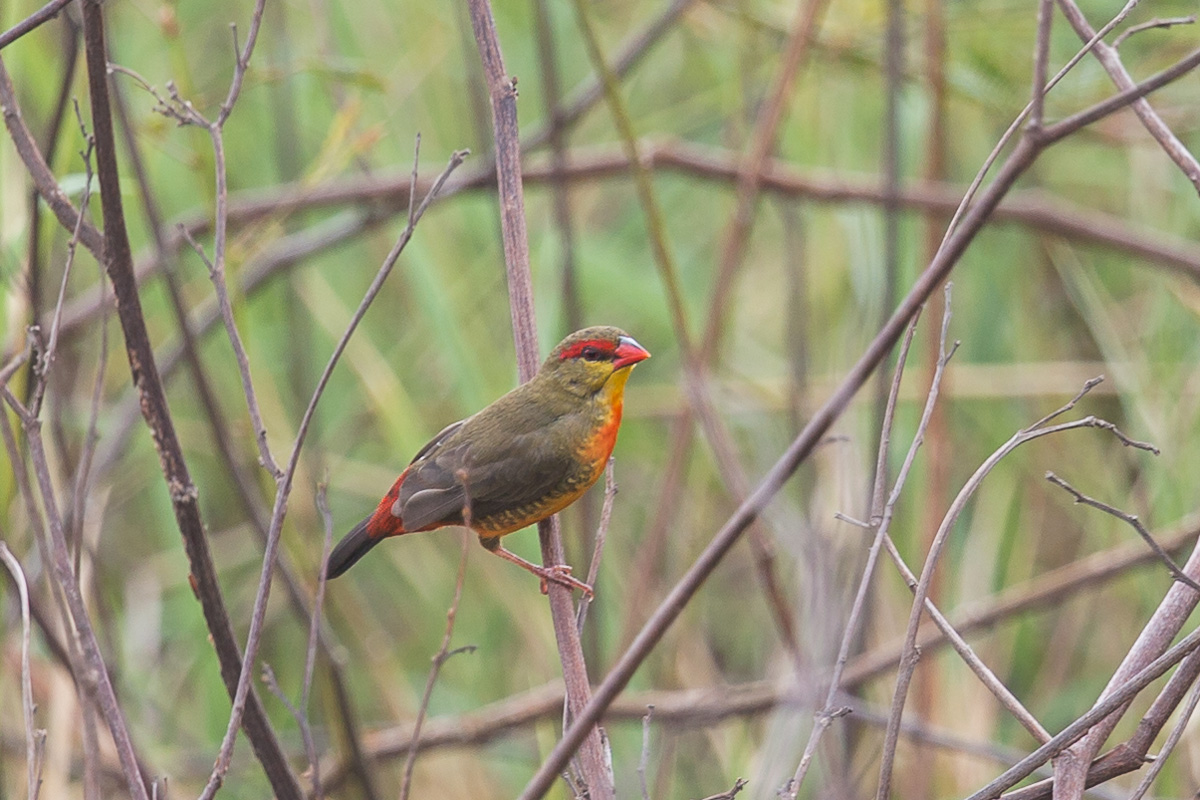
<point>1160,760</point>
<point>595,757</point>
<point>880,520</point>
<point>1153,24</point>
<point>1041,58</point>
<point>644,763</point>
<point>44,14</point>
<point>1133,521</point>
<point>443,655</point>
<point>283,490</point>
<point>1112,702</point>
<point>610,494</point>
<point>1110,59</point>
<point>31,735</point>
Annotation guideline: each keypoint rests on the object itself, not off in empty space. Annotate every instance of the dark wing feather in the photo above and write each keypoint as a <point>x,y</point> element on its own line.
<point>516,481</point>
<point>444,434</point>
<point>510,454</point>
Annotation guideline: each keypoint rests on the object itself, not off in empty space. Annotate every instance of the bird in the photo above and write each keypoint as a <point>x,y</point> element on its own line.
<point>528,455</point>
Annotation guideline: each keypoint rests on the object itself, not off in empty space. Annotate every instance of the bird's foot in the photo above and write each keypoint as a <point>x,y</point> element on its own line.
<point>561,574</point>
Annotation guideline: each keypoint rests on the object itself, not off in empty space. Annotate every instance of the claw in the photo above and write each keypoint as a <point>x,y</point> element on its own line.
<point>561,574</point>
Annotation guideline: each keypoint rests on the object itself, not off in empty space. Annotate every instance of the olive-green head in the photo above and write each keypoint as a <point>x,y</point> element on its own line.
<point>583,362</point>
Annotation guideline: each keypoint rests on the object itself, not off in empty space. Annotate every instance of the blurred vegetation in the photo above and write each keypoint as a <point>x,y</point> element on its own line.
<point>338,91</point>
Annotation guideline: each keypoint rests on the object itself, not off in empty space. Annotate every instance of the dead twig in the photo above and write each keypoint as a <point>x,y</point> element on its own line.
<point>284,486</point>
<point>443,655</point>
<point>1133,522</point>
<point>31,733</point>
<point>595,758</point>
<point>907,663</point>
<point>1019,160</point>
<point>644,761</point>
<point>33,21</point>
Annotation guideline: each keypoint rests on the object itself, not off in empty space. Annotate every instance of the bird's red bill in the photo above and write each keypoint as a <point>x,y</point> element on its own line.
<point>628,352</point>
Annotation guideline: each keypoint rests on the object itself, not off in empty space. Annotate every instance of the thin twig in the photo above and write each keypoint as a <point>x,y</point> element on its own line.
<point>644,761</point>
<point>46,358</point>
<point>1160,760</point>
<point>1169,22</point>
<point>185,111</point>
<point>1018,161</point>
<point>118,260</point>
<point>1110,59</point>
<point>31,735</point>
<point>39,171</point>
<point>97,680</point>
<point>1015,126</point>
<point>1103,708</point>
<point>443,655</point>
<point>314,627</point>
<point>1133,521</point>
<point>988,678</point>
<point>242,480</point>
<point>738,785</point>
<point>1041,60</point>
<point>881,518</point>
<point>301,718</point>
<point>908,664</point>
<point>610,494</point>
<point>33,21</point>
<point>258,614</point>
<point>216,272</point>
<point>300,714</point>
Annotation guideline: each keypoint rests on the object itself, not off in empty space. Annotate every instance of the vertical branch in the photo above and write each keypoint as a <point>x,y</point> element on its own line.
<point>893,73</point>
<point>1110,59</point>
<point>502,91</point>
<point>18,576</point>
<point>95,679</point>
<point>243,692</point>
<point>70,49</point>
<point>828,713</point>
<point>443,655</point>
<point>118,264</point>
<point>1041,61</point>
<point>560,188</point>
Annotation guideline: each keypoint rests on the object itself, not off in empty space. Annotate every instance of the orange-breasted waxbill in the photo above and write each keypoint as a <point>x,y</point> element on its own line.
<point>526,456</point>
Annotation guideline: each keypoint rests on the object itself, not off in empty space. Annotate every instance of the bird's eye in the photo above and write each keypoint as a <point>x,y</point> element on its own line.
<point>591,353</point>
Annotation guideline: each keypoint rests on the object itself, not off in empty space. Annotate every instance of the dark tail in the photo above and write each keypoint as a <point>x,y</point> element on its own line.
<point>353,546</point>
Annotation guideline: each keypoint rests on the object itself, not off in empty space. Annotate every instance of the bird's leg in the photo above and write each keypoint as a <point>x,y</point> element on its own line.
<point>559,573</point>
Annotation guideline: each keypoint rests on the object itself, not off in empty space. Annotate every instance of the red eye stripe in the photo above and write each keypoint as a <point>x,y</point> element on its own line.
<point>576,350</point>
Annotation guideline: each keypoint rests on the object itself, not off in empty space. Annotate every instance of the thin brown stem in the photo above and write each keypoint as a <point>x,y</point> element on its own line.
<point>443,655</point>
<point>1110,59</point>
<point>258,614</point>
<point>33,21</point>
<point>594,761</point>
<point>1041,61</point>
<point>97,681</point>
<point>1122,695</point>
<point>18,578</point>
<point>1133,522</point>
<point>1160,759</point>
<point>908,660</point>
<point>610,495</point>
<point>881,515</point>
<point>118,260</point>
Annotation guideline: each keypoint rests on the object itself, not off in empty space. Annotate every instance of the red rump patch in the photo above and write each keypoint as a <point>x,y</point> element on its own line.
<point>383,522</point>
<point>576,350</point>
